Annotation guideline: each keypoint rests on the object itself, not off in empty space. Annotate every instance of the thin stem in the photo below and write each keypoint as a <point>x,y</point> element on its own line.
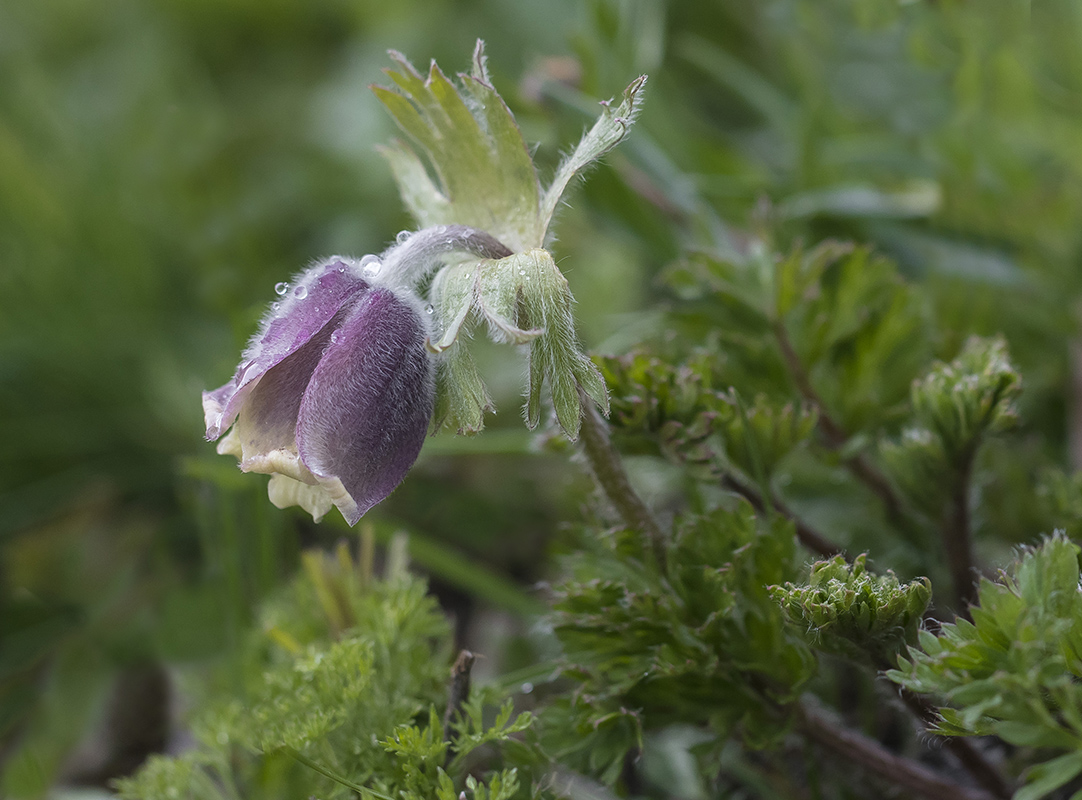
<point>855,747</point>
<point>808,536</point>
<point>608,468</point>
<point>458,691</point>
<point>835,434</point>
<point>407,262</point>
<point>327,772</point>
<point>957,540</point>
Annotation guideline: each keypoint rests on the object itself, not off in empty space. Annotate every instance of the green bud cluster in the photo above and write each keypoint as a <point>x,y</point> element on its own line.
<point>972,396</point>
<point>846,610</point>
<point>955,406</point>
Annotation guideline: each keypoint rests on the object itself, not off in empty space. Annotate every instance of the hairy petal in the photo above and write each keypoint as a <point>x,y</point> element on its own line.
<point>309,304</point>
<point>366,410</point>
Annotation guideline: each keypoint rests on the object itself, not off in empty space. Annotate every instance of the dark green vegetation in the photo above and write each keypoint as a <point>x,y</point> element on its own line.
<point>831,281</point>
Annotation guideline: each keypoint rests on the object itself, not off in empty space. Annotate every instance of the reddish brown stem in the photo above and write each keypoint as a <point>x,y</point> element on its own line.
<point>834,433</point>
<point>855,747</point>
<point>808,536</point>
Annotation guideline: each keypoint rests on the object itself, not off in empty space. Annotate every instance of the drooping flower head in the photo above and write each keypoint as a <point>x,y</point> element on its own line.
<point>334,395</point>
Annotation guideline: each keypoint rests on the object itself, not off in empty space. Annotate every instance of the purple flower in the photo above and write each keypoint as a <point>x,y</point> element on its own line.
<point>334,395</point>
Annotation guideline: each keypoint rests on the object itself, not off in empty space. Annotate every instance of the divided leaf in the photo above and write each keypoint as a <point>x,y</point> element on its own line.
<point>484,176</point>
<point>1016,670</point>
<point>611,128</point>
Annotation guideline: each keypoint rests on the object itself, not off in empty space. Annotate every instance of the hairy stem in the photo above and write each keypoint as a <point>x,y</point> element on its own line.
<point>868,753</point>
<point>409,261</point>
<point>608,468</point>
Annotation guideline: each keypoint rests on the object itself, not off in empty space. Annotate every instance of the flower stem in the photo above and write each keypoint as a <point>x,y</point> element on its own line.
<point>608,468</point>
<point>416,255</point>
<point>327,772</point>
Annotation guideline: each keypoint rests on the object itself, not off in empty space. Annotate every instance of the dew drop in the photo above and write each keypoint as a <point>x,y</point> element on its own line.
<point>300,292</point>
<point>370,266</point>
<point>429,309</point>
<point>281,288</point>
<point>334,337</point>
<point>527,687</point>
<point>403,237</point>
<point>275,306</point>
<point>522,272</point>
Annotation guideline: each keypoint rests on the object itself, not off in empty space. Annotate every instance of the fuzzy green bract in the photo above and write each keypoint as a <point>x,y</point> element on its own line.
<point>467,163</point>
<point>1016,670</point>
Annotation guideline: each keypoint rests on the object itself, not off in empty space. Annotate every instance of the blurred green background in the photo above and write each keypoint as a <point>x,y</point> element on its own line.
<point>163,163</point>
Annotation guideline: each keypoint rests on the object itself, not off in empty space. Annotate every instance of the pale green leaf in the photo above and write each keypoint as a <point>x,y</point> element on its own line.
<point>610,129</point>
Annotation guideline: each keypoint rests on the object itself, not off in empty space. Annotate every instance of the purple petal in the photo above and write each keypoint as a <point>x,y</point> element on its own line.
<point>267,419</point>
<point>310,302</point>
<point>367,408</point>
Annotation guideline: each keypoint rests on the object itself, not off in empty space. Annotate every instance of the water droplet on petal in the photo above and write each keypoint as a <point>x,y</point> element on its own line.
<point>522,272</point>
<point>429,308</point>
<point>334,337</point>
<point>403,237</point>
<point>370,266</point>
<point>281,288</point>
<point>275,306</point>
<point>300,292</point>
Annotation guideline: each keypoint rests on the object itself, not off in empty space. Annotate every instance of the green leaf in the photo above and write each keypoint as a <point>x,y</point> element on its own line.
<point>485,177</point>
<point>611,128</point>
<point>1049,776</point>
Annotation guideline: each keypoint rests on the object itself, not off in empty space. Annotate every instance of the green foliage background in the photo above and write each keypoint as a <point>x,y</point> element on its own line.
<point>163,164</point>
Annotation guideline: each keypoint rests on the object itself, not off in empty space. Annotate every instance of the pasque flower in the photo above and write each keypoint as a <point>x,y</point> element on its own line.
<point>334,395</point>
<point>350,368</point>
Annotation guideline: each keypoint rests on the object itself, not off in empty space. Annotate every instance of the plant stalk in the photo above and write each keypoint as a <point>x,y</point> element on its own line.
<point>861,467</point>
<point>957,541</point>
<point>807,535</point>
<point>608,468</point>
<point>855,747</point>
